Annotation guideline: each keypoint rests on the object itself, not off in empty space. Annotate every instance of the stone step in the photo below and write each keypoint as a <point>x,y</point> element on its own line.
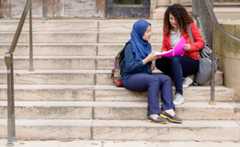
<point>122,37</point>
<point>79,31</point>
<point>102,143</point>
<point>187,3</point>
<point>53,49</point>
<point>52,37</point>
<point>227,4</point>
<point>76,77</point>
<point>104,93</point>
<point>116,110</point>
<point>73,77</point>
<point>191,93</point>
<point>54,25</point>
<point>69,49</point>
<point>225,13</point>
<point>88,25</point>
<point>120,130</point>
<point>75,37</point>
<point>103,77</point>
<point>62,63</point>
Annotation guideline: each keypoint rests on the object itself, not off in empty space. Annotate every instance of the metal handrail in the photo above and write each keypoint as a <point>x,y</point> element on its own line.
<point>220,27</point>
<point>10,70</point>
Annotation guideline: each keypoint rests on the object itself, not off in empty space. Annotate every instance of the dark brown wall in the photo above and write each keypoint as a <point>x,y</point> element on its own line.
<point>52,8</point>
<point>5,9</point>
<point>101,6</point>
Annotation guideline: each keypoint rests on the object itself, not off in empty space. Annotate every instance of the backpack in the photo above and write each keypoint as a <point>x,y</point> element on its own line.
<point>203,75</point>
<point>116,71</point>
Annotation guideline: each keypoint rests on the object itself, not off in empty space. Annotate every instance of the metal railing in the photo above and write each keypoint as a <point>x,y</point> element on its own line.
<point>11,131</point>
<point>209,6</point>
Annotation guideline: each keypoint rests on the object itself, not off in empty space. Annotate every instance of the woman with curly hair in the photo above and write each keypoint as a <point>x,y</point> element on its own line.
<point>177,21</point>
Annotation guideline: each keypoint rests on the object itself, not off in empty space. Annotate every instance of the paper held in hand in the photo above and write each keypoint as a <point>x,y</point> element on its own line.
<point>178,50</point>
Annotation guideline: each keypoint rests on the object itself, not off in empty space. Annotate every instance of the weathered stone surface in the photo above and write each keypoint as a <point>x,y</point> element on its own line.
<point>80,77</point>
<point>106,93</point>
<point>49,110</point>
<point>188,111</point>
<point>117,131</point>
<point>231,76</point>
<point>52,37</point>
<point>53,49</point>
<point>69,83</point>
<point>124,130</point>
<point>53,63</point>
<point>50,129</point>
<point>50,93</point>
<point>88,8</point>
<point>17,7</point>
<point>89,143</point>
<point>228,50</point>
<point>65,143</point>
<point>168,144</point>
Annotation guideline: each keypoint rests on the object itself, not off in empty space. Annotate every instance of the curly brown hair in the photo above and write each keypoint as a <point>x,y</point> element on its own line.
<point>181,16</point>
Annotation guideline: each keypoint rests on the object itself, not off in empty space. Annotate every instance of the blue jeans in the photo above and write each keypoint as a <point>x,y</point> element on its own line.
<point>154,84</point>
<point>177,68</point>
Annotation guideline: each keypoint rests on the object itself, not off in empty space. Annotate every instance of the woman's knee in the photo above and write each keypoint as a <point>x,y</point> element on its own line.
<point>176,60</point>
<point>158,63</point>
<point>164,78</point>
<point>162,63</point>
<point>153,79</point>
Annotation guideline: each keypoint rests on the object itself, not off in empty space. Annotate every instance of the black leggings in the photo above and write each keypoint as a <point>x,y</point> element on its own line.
<point>177,68</point>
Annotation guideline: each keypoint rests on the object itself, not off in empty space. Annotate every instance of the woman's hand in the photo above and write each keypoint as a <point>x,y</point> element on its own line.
<point>187,47</point>
<point>149,58</point>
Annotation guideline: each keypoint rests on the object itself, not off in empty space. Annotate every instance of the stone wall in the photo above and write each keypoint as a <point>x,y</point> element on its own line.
<point>73,8</point>
<point>67,8</point>
<point>167,2</point>
<point>228,51</point>
<point>53,8</point>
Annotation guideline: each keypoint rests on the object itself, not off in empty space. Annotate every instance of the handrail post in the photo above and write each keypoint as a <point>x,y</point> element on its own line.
<point>212,98</point>
<point>202,11</point>
<point>11,128</point>
<point>30,38</point>
<point>11,105</point>
<point>209,7</point>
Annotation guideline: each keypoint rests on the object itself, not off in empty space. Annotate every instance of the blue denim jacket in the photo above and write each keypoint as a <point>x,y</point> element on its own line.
<point>131,65</point>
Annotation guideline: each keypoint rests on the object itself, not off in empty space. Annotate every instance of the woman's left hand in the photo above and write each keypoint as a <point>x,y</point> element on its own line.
<point>187,47</point>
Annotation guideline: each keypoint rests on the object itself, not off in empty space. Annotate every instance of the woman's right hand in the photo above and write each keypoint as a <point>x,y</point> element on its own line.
<point>151,57</point>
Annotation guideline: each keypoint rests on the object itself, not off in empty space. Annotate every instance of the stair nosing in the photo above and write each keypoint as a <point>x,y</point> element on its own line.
<point>112,104</point>
<point>124,123</point>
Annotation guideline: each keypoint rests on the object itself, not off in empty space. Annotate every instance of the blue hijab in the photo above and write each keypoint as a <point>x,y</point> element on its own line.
<point>140,47</point>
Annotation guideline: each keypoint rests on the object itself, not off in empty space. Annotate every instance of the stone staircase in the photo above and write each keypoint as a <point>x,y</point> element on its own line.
<point>224,10</point>
<point>70,96</point>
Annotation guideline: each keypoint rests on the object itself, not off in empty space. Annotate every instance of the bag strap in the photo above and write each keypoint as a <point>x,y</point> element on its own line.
<point>116,59</point>
<point>189,30</point>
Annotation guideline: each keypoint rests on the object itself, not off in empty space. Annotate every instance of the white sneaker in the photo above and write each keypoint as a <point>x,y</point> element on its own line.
<point>187,82</point>
<point>179,99</point>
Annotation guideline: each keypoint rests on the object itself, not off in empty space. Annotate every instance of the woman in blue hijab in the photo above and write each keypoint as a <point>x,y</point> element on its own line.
<point>137,74</point>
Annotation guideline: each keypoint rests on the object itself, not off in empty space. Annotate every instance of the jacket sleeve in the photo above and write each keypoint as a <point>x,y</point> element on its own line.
<point>131,64</point>
<point>198,40</point>
<point>164,43</point>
